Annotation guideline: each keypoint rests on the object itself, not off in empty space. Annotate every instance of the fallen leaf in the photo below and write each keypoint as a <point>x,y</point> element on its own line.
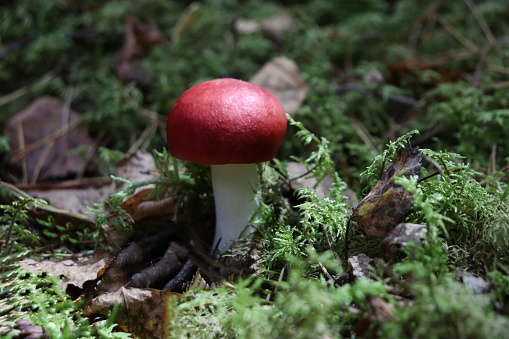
<point>275,26</point>
<point>476,285</point>
<point>76,271</point>
<point>41,137</point>
<point>387,204</point>
<point>397,240</point>
<point>73,200</point>
<point>70,205</point>
<point>60,216</point>
<point>26,330</point>
<point>139,167</point>
<point>197,282</point>
<point>282,78</point>
<point>300,178</point>
<point>360,265</point>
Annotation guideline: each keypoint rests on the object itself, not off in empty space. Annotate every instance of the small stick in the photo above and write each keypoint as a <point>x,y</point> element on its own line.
<point>21,143</point>
<point>346,238</point>
<point>19,154</point>
<point>481,22</point>
<point>41,161</point>
<point>480,65</point>
<point>24,90</point>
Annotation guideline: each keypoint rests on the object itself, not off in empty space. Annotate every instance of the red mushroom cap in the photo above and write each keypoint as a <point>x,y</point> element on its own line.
<point>226,121</point>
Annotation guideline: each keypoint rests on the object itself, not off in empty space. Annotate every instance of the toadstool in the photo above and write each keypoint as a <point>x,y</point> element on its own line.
<point>231,125</point>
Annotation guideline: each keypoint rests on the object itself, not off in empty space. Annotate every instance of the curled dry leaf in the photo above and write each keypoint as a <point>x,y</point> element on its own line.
<point>197,282</point>
<point>388,204</point>
<point>139,208</point>
<point>281,77</point>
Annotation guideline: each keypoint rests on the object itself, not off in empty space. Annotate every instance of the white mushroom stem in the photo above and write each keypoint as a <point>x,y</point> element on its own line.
<point>235,187</point>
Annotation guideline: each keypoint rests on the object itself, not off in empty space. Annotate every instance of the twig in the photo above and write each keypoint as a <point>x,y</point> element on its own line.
<point>281,275</point>
<point>41,161</point>
<point>492,162</point>
<point>494,85</point>
<point>90,154</point>
<point>480,65</point>
<point>346,238</point>
<point>416,23</point>
<point>16,192</point>
<point>24,90</point>
<point>438,60</point>
<point>496,68</point>
<point>363,133</point>
<point>454,32</point>
<point>481,22</point>
<point>144,138</point>
<point>67,184</point>
<point>49,146</point>
<point>19,154</point>
<point>21,143</point>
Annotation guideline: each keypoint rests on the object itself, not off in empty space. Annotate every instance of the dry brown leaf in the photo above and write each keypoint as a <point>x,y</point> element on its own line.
<point>139,208</point>
<point>60,216</point>
<point>388,204</point>
<point>197,282</point>
<point>73,200</point>
<point>75,271</point>
<point>282,78</point>
<point>139,167</point>
<point>143,312</point>
<point>44,117</point>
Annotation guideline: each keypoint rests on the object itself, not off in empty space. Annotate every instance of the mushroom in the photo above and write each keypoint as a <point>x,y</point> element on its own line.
<point>231,125</point>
